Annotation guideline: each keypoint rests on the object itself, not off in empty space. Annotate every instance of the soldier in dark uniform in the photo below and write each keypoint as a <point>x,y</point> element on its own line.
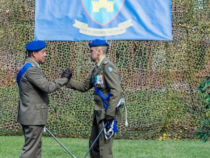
<point>105,78</point>
<point>33,103</point>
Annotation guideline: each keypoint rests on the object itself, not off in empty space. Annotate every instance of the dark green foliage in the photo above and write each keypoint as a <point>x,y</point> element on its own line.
<point>204,131</point>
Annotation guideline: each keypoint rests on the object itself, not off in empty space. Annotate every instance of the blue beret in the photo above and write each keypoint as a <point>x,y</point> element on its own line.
<point>35,45</point>
<point>97,42</point>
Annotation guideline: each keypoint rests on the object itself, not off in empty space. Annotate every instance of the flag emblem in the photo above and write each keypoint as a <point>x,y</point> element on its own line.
<point>103,12</point>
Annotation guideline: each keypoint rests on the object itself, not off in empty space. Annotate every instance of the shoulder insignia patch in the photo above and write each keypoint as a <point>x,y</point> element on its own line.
<point>109,69</point>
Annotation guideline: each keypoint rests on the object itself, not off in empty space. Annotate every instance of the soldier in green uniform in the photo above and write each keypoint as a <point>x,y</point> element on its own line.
<point>33,103</point>
<point>104,78</point>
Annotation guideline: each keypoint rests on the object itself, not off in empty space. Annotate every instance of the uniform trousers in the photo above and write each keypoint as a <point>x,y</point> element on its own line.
<point>102,147</point>
<point>33,142</point>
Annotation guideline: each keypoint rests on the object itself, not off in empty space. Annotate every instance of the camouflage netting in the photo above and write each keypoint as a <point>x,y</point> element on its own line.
<point>159,78</point>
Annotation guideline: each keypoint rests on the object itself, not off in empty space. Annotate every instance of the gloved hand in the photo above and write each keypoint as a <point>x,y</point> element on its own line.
<point>109,118</point>
<point>67,74</point>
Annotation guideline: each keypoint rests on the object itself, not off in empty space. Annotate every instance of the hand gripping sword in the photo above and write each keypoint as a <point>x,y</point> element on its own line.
<point>119,106</point>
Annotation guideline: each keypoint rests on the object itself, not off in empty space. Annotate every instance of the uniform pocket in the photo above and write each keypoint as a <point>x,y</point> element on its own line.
<point>41,113</point>
<point>41,106</point>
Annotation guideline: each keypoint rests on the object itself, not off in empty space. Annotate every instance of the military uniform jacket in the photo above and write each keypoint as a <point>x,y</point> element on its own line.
<point>33,90</point>
<point>111,84</point>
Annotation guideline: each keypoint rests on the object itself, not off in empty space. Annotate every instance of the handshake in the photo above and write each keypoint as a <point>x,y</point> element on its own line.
<point>67,74</point>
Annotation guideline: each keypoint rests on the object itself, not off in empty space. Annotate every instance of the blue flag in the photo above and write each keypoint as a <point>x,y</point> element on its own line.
<point>77,20</point>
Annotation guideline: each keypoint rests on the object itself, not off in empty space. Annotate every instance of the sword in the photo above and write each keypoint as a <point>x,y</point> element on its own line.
<point>48,131</point>
<point>104,125</point>
<point>119,106</point>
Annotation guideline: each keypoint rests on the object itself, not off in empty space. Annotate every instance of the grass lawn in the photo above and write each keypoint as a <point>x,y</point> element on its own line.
<point>10,147</point>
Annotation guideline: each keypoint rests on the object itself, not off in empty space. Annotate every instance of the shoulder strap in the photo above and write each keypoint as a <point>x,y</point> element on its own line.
<point>22,71</point>
<point>103,67</point>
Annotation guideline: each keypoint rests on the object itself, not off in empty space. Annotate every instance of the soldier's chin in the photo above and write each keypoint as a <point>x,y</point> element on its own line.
<point>42,62</point>
<point>92,59</point>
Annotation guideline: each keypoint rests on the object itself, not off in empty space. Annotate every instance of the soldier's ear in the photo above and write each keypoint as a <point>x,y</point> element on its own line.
<point>33,54</point>
<point>100,51</point>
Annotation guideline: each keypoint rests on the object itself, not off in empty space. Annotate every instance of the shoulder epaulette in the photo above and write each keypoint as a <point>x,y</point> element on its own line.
<point>34,66</point>
<point>105,62</point>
